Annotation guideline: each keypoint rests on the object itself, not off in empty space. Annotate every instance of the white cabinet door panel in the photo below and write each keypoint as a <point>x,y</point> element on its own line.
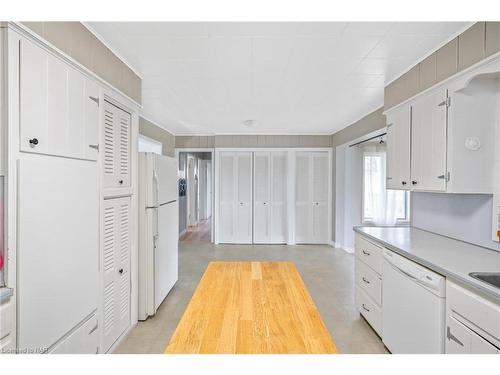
<point>398,148</point>
<point>116,269</point>
<point>262,195</point>
<point>58,248</point>
<point>57,115</point>
<point>428,155</point>
<point>244,203</point>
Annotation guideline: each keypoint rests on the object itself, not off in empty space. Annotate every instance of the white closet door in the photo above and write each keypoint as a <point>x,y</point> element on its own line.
<point>117,124</point>
<point>262,197</point>
<point>319,180</point>
<point>303,197</point>
<point>278,222</point>
<point>244,197</point>
<point>116,269</point>
<point>227,197</point>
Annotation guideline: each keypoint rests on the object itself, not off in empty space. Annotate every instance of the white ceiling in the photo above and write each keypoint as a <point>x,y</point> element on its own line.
<point>291,78</point>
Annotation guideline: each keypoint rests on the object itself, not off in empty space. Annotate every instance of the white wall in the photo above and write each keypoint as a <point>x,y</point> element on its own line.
<point>466,217</point>
<point>348,195</point>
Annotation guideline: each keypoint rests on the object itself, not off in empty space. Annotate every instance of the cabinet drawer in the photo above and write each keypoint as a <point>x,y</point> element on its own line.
<point>369,253</point>
<point>369,309</point>
<point>84,340</point>
<point>478,312</point>
<point>369,281</point>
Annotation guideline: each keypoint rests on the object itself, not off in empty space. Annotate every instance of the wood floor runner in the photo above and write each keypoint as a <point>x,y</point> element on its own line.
<point>251,308</point>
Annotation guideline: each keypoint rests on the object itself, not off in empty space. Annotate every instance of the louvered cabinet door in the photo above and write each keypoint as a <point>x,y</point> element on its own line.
<point>227,197</point>
<point>303,197</point>
<point>319,181</point>
<point>244,191</point>
<point>116,269</point>
<point>116,148</point>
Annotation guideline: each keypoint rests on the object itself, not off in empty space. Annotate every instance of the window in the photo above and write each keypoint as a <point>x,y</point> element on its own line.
<point>146,144</point>
<point>381,206</point>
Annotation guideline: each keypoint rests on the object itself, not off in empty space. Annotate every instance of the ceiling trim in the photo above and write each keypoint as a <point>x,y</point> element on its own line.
<point>108,46</point>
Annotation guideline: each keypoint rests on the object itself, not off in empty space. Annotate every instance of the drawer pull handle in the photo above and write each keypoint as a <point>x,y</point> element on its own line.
<point>366,281</point>
<point>365,308</point>
<point>366,252</point>
<point>451,336</point>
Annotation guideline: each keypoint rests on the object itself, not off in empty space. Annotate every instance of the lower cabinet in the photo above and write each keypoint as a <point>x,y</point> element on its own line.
<point>115,265</point>
<point>83,340</point>
<point>368,279</point>
<point>472,322</point>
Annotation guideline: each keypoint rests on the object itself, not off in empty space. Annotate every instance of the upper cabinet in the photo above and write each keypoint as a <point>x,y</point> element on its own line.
<point>398,148</point>
<point>59,107</point>
<point>428,151</point>
<point>116,146</point>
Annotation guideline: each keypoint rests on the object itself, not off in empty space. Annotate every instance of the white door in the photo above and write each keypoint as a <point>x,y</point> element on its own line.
<point>58,247</point>
<point>116,269</point>
<point>209,189</point>
<point>398,148</point>
<point>166,251</point>
<point>202,189</point>
<point>270,178</point>
<point>116,159</point>
<point>235,197</point>
<point>192,187</point>
<point>59,107</point>
<point>311,197</point>
<point>428,151</point>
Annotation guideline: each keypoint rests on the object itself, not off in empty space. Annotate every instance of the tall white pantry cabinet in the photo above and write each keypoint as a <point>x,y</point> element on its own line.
<point>70,141</point>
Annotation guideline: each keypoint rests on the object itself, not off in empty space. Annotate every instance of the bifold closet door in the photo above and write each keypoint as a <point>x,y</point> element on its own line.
<point>235,197</point>
<point>311,197</point>
<point>270,197</point>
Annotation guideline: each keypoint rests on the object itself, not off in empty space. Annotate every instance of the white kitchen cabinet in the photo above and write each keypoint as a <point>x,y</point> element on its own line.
<point>115,265</point>
<point>428,141</point>
<point>57,247</point>
<point>398,148</point>
<point>472,322</point>
<point>117,146</point>
<point>59,106</point>
<point>83,340</point>
<point>235,197</point>
<point>270,193</point>
<point>311,196</point>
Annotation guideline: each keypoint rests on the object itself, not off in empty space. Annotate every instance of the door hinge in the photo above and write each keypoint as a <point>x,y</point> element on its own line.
<point>446,102</point>
<point>445,176</point>
<point>94,99</point>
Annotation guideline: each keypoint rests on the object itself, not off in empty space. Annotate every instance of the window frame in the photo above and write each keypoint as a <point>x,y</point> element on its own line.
<point>369,221</point>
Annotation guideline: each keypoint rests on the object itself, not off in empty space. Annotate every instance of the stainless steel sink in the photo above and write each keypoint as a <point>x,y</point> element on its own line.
<point>487,277</point>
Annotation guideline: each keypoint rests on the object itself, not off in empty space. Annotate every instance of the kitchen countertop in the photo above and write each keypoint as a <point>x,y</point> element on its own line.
<point>451,258</point>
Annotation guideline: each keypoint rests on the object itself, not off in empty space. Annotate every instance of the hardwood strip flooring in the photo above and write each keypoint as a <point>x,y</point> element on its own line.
<point>251,308</point>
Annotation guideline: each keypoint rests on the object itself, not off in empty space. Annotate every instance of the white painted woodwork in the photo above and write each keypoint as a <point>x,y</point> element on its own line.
<point>428,151</point>
<point>473,322</point>
<point>117,146</point>
<point>270,197</point>
<point>58,247</point>
<point>235,197</point>
<point>58,106</point>
<point>311,197</point>
<point>115,269</point>
<point>83,340</point>
<point>7,333</point>
<point>398,148</point>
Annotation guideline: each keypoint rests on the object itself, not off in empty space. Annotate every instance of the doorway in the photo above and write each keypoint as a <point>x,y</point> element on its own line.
<point>195,198</point>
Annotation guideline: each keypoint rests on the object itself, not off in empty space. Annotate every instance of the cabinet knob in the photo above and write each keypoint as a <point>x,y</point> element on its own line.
<point>33,142</point>
<point>120,271</point>
<point>414,182</point>
<point>403,183</point>
<point>120,182</point>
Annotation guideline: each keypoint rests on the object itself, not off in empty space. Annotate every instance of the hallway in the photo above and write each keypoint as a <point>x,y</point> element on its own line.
<point>198,233</point>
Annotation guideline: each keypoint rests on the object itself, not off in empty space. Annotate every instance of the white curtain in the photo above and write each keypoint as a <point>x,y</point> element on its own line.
<point>382,202</point>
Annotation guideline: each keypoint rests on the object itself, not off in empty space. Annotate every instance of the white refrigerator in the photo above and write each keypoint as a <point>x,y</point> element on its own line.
<point>158,230</point>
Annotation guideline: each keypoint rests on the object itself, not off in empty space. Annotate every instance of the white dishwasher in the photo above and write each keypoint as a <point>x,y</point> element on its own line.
<point>413,298</point>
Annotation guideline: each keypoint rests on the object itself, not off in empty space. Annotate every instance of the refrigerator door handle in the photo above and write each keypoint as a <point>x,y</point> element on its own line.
<point>156,189</point>
<point>156,219</point>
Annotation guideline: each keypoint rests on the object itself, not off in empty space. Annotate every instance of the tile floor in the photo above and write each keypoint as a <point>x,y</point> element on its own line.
<point>327,272</point>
